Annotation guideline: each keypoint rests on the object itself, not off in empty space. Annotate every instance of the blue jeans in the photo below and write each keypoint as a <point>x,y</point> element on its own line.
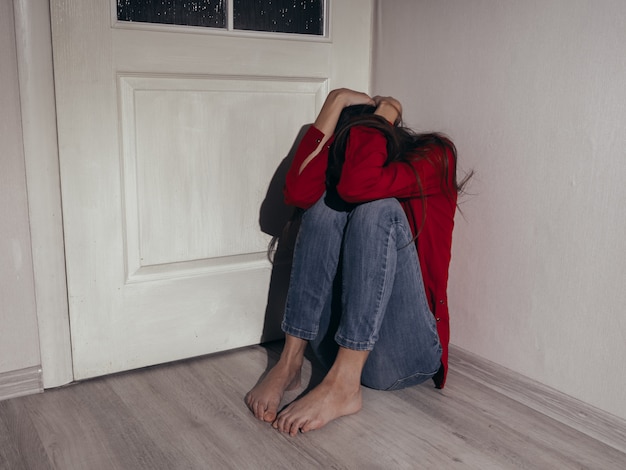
<point>356,283</point>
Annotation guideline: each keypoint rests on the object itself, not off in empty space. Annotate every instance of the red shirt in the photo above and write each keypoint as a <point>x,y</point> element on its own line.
<point>365,177</point>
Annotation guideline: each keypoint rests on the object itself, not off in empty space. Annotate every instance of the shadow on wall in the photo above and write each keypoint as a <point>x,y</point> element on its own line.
<point>276,219</point>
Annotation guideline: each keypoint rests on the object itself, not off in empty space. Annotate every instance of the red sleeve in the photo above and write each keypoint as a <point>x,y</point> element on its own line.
<point>304,189</point>
<point>366,178</point>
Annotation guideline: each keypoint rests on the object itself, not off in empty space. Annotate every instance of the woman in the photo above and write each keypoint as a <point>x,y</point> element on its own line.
<point>374,196</point>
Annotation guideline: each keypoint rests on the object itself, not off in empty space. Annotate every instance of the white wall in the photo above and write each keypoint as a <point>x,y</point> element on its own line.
<point>534,95</point>
<point>19,342</point>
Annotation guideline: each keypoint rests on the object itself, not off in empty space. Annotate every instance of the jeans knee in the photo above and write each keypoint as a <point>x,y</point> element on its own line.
<point>383,213</point>
<point>381,219</point>
<point>381,208</point>
<point>319,214</point>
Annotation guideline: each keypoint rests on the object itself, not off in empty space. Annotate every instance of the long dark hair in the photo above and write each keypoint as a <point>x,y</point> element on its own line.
<point>403,145</point>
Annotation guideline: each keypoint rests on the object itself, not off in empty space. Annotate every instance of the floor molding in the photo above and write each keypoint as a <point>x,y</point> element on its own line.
<point>600,425</point>
<point>17,383</point>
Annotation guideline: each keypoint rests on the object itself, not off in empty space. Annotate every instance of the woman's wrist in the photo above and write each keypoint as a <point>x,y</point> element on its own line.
<point>344,97</point>
<point>389,110</point>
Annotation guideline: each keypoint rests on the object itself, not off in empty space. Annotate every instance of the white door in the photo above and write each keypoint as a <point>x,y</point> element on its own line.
<point>169,138</point>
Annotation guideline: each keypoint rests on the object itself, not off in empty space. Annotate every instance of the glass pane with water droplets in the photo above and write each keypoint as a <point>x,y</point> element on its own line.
<point>207,13</point>
<point>280,16</point>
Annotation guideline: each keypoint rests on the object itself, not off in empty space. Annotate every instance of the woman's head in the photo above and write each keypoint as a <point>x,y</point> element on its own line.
<point>399,139</point>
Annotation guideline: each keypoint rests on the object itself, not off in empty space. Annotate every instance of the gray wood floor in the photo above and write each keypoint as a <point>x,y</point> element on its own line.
<point>191,415</point>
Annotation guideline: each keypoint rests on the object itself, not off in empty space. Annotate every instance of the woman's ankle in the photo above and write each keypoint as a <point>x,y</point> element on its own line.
<point>293,350</point>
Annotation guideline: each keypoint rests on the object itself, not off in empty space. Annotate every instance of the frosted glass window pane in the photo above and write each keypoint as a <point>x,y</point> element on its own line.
<point>208,13</point>
<point>280,16</point>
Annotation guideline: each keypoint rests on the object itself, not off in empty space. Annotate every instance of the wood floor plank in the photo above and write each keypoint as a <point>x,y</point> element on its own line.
<point>87,426</point>
<point>547,401</point>
<point>514,436</point>
<point>191,415</point>
<point>207,416</point>
<point>10,456</point>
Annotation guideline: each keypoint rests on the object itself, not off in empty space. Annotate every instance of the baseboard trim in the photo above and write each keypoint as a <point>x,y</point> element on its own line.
<point>598,424</point>
<point>17,383</point>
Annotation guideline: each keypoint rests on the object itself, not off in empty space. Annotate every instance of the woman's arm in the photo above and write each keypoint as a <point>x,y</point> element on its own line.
<point>366,177</point>
<point>329,115</point>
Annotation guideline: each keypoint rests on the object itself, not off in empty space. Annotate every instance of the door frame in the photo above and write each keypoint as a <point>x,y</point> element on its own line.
<point>41,156</point>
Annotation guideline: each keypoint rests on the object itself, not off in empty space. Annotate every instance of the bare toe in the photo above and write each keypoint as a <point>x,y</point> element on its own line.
<point>264,399</point>
<point>323,404</point>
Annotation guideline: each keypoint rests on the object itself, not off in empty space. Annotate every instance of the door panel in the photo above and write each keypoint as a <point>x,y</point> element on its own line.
<point>185,186</point>
<point>168,142</point>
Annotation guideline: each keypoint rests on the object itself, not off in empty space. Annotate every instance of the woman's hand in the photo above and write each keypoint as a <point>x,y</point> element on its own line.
<point>389,108</point>
<point>329,115</point>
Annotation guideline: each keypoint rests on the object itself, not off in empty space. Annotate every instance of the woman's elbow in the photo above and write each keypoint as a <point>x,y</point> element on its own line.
<point>299,199</point>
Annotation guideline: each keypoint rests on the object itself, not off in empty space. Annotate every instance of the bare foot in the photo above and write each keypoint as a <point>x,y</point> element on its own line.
<point>328,401</point>
<point>264,399</point>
